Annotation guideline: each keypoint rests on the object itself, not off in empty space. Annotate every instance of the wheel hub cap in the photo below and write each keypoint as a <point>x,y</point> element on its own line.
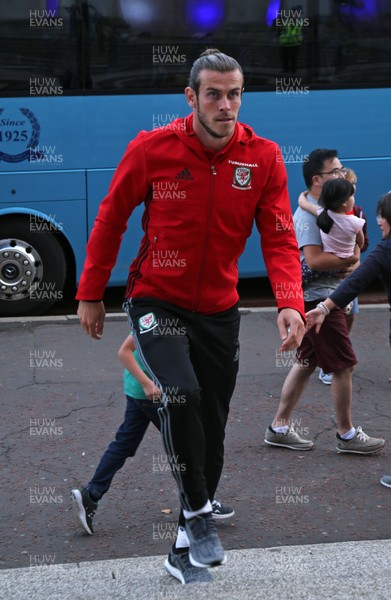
<point>20,269</point>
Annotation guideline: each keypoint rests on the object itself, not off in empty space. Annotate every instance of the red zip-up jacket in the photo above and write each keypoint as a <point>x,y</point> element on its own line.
<point>200,208</point>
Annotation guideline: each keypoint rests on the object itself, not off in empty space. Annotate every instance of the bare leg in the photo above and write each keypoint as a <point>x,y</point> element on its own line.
<point>292,389</point>
<point>341,390</point>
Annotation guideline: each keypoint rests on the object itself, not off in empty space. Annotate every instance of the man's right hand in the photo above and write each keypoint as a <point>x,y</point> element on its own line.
<point>92,316</point>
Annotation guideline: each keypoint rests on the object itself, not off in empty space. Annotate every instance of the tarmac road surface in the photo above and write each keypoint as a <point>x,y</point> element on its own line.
<point>62,401</point>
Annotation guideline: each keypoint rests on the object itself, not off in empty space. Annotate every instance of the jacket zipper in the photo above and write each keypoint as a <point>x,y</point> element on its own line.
<point>207,235</point>
<point>154,243</point>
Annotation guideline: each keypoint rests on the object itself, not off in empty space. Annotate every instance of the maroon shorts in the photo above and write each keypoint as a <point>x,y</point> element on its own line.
<point>331,348</point>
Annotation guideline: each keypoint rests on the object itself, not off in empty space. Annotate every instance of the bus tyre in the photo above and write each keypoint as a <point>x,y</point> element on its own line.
<point>33,267</point>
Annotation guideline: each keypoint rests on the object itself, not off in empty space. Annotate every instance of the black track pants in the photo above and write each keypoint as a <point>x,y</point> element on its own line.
<point>194,360</point>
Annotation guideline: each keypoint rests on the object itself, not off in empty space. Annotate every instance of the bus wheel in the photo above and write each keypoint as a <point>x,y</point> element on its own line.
<point>33,267</point>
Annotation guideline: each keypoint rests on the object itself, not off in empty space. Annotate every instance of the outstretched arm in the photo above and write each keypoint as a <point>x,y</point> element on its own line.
<point>278,239</point>
<point>128,188</point>
<point>353,285</point>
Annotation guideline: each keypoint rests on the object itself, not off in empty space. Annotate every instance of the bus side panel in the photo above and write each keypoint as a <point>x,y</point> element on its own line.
<point>356,122</point>
<point>61,196</point>
<point>79,132</point>
<point>96,130</point>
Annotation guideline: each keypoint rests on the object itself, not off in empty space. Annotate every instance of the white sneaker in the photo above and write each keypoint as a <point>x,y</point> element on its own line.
<point>326,378</point>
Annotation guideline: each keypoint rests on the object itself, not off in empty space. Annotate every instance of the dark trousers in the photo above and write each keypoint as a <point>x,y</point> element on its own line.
<point>194,360</point>
<point>138,415</point>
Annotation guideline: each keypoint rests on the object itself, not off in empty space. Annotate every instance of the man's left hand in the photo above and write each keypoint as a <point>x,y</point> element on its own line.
<point>291,327</point>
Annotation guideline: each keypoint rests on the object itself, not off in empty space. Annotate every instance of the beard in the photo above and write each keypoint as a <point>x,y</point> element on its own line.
<point>207,128</point>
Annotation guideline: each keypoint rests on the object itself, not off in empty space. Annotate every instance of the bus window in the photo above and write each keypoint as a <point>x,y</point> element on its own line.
<point>124,46</point>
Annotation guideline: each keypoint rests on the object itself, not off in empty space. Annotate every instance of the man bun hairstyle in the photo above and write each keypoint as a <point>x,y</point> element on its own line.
<point>334,193</point>
<point>212,60</point>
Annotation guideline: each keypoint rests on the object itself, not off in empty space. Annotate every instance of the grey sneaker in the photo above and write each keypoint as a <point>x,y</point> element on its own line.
<point>361,443</point>
<point>290,439</point>
<point>386,480</point>
<point>205,546</point>
<point>179,566</point>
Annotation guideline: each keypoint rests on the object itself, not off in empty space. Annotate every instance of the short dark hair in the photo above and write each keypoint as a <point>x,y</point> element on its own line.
<point>383,210</point>
<point>334,193</point>
<point>314,163</point>
<point>212,60</point>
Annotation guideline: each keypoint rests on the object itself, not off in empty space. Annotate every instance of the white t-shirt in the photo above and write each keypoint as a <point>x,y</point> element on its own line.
<point>341,238</point>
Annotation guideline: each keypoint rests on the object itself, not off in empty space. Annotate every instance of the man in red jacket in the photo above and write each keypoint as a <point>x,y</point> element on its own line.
<point>181,294</point>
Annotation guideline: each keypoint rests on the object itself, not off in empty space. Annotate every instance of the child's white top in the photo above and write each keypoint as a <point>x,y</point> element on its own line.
<point>341,238</point>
